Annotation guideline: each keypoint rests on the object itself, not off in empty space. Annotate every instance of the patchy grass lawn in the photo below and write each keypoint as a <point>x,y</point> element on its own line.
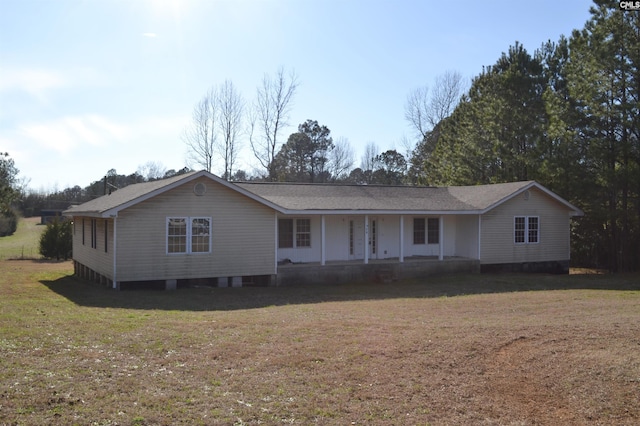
<point>472,349</point>
<point>24,243</point>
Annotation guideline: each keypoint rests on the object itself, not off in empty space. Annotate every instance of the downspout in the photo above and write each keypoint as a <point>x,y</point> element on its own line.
<point>479,234</point>
<point>401,238</point>
<point>323,248</point>
<point>441,231</point>
<point>275,251</point>
<point>366,239</point>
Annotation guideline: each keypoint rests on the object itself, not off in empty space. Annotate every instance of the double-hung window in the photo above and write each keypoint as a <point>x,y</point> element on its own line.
<point>188,235</point>
<point>433,230</point>
<point>426,230</point>
<point>303,232</point>
<point>526,230</point>
<point>94,233</point>
<point>292,231</point>
<point>418,230</point>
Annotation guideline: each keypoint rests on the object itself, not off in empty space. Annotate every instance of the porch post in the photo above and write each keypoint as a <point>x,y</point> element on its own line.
<point>479,233</point>
<point>115,248</point>
<point>275,251</point>
<point>401,238</point>
<point>323,249</point>
<point>366,239</point>
<point>441,232</point>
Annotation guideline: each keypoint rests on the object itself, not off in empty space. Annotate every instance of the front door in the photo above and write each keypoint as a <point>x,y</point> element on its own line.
<point>356,238</point>
<point>373,238</point>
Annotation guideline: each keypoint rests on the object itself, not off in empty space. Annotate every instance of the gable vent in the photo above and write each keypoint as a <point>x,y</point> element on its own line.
<point>199,189</point>
<point>526,195</point>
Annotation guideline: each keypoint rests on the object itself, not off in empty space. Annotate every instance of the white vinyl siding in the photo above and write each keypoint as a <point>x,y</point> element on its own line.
<point>242,236</point>
<point>100,258</point>
<point>500,234</point>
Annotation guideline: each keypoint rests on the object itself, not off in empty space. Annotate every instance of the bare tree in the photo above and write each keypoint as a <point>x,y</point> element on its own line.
<point>270,113</point>
<point>417,109</point>
<point>446,94</point>
<point>369,158</point>
<point>424,111</point>
<point>152,170</point>
<point>231,106</point>
<point>201,134</point>
<point>341,158</point>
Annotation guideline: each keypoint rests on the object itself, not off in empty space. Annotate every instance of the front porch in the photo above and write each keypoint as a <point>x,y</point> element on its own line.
<point>376,270</point>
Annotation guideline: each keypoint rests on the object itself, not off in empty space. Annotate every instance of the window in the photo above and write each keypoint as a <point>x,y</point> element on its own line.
<point>303,232</point>
<point>532,231</point>
<point>433,230</point>
<point>200,235</point>
<point>286,233</point>
<point>94,233</point>
<point>526,230</point>
<point>177,235</point>
<point>189,235</point>
<point>418,230</point>
<point>351,237</point>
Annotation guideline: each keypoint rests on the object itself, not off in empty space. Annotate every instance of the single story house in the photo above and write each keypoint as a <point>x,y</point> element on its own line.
<point>199,228</point>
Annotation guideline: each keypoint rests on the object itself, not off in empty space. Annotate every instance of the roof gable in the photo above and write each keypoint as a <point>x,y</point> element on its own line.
<point>110,205</point>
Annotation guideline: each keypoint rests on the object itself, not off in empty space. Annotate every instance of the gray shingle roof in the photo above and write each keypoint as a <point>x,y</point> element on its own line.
<point>125,195</point>
<point>326,198</point>
<point>383,198</point>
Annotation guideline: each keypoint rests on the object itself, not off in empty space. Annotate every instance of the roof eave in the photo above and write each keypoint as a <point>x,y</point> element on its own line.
<point>379,212</point>
<point>78,213</point>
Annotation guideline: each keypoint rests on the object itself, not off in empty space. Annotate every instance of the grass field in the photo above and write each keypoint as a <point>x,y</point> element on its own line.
<point>472,349</point>
<point>23,244</point>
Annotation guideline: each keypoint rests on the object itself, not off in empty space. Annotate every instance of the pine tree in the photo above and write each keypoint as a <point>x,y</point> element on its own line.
<point>56,240</point>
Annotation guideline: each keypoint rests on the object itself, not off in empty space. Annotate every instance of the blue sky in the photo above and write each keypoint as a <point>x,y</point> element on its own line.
<point>87,86</point>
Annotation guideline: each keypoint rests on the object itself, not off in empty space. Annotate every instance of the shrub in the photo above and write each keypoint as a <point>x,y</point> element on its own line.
<point>56,240</point>
<point>8,223</point>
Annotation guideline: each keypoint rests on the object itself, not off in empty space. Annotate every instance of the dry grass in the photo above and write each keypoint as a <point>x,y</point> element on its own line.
<point>25,242</point>
<point>450,350</point>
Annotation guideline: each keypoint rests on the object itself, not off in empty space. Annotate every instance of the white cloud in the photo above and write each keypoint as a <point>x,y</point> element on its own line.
<point>33,81</point>
<point>77,149</point>
<point>65,134</point>
<point>151,35</point>
<point>39,82</point>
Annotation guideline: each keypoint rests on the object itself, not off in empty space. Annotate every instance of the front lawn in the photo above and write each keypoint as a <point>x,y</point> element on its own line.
<point>472,349</point>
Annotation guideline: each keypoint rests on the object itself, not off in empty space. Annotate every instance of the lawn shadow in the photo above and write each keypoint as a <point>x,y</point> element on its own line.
<point>85,293</point>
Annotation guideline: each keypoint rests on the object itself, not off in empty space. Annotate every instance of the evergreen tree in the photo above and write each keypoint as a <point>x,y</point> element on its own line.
<point>604,84</point>
<point>56,240</point>
<point>8,195</point>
